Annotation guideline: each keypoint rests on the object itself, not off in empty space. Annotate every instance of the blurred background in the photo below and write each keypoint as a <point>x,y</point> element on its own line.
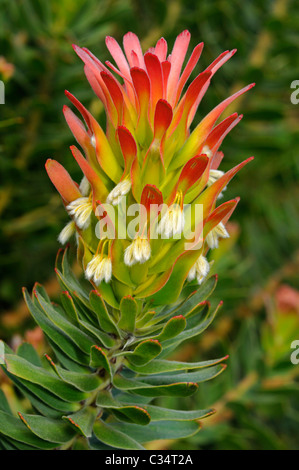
<point>257,398</point>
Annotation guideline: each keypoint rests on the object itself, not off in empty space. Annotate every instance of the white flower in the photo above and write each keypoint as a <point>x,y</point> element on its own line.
<point>67,232</point>
<point>207,151</point>
<point>81,210</point>
<point>199,270</point>
<point>139,251</point>
<point>172,222</point>
<point>120,190</point>
<point>84,187</point>
<point>214,176</point>
<point>99,269</point>
<point>218,232</point>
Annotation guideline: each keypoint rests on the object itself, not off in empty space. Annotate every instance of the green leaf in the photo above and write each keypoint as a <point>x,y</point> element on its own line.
<point>128,310</point>
<point>84,313</point>
<point>69,308</point>
<point>201,294</point>
<point>95,444</point>
<point>72,283</point>
<point>141,322</point>
<point>171,290</point>
<point>98,359</point>
<point>12,428</point>
<point>6,444</point>
<point>28,352</point>
<point>145,352</point>
<point>108,295</point>
<point>195,296</point>
<point>149,390</point>
<point>39,376</point>
<point>173,327</point>
<point>48,429</point>
<point>129,413</point>
<point>161,366</point>
<point>80,338</point>
<point>4,405</point>
<point>55,333</point>
<point>191,332</point>
<point>43,400</point>
<point>65,360</point>
<point>103,338</point>
<point>201,375</point>
<point>83,420</point>
<point>98,305</point>
<point>42,291</point>
<point>160,414</point>
<point>87,382</point>
<point>113,437</point>
<point>159,430</point>
<point>49,398</point>
<point>44,407</point>
<point>120,269</point>
<point>130,399</point>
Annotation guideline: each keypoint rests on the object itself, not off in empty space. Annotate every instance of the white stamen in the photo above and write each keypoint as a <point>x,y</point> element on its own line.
<point>120,190</point>
<point>206,150</point>
<point>67,232</point>
<point>139,251</point>
<point>99,269</point>
<point>172,222</point>
<point>214,176</point>
<point>199,270</point>
<point>84,187</point>
<point>218,232</point>
<point>81,210</point>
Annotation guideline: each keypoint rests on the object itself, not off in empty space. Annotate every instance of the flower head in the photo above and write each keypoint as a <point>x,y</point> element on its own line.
<point>213,236</point>
<point>150,154</point>
<point>199,270</point>
<point>120,190</point>
<point>67,232</point>
<point>81,210</point>
<point>139,251</point>
<point>172,222</point>
<point>99,269</point>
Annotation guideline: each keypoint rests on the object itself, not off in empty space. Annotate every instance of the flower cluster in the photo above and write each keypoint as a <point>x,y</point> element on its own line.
<point>147,155</point>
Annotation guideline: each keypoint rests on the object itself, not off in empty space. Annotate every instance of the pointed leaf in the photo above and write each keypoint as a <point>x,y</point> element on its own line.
<point>183,389</point>
<point>145,352</point>
<point>159,430</point>
<point>11,427</point>
<point>99,359</point>
<point>129,413</point>
<point>113,437</point>
<point>48,429</point>
<point>128,309</point>
<point>159,366</point>
<point>173,327</point>
<point>83,420</point>
<point>98,305</point>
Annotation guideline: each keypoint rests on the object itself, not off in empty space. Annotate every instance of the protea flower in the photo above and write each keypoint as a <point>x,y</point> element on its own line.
<point>147,294</point>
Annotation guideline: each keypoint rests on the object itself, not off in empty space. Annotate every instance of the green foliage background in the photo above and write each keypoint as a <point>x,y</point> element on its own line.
<point>259,404</point>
